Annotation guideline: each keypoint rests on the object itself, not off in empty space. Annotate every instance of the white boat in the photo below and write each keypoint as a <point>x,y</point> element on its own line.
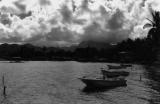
<point>126,65</point>
<point>115,67</point>
<point>104,83</point>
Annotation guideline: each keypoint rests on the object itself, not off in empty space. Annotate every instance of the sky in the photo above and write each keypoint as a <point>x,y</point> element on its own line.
<point>69,22</point>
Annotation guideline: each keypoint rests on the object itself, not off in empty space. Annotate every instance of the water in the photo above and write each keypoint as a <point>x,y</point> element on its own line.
<point>58,83</point>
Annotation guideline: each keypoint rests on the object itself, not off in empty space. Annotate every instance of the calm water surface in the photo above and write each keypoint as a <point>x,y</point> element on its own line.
<point>57,83</point>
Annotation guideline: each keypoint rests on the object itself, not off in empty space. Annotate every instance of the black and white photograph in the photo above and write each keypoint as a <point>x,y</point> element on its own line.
<point>79,51</point>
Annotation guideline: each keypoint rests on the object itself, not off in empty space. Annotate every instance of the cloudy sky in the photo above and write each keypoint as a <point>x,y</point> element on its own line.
<point>67,22</point>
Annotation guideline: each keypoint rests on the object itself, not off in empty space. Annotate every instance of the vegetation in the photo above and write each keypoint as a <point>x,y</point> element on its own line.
<point>153,37</point>
<point>126,51</point>
<point>154,25</point>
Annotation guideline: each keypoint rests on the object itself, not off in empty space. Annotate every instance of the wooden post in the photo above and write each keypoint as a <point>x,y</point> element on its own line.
<point>3,80</point>
<point>4,91</point>
<point>4,87</point>
<point>140,78</point>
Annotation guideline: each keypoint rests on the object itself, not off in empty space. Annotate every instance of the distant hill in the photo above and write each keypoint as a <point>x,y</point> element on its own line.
<point>71,48</point>
<point>93,44</point>
<point>90,44</point>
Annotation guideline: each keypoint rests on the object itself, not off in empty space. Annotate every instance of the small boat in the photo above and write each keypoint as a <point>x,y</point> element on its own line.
<point>16,61</point>
<point>112,74</point>
<point>104,83</point>
<point>115,67</point>
<point>126,65</point>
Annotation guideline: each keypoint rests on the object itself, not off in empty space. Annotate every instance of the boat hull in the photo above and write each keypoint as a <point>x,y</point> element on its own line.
<point>115,67</point>
<point>126,65</point>
<point>100,83</point>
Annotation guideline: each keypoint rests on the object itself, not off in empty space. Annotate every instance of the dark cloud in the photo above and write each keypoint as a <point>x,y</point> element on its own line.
<point>116,21</point>
<point>95,33</point>
<point>35,38</point>
<point>56,37</point>
<point>143,3</point>
<point>20,6</point>
<point>66,14</point>
<point>44,2</point>
<point>85,5</point>
<point>52,21</point>
<point>10,39</point>
<point>43,26</point>
<point>130,7</point>
<point>59,34</point>
<point>102,10</point>
<point>5,9</point>
<point>44,42</point>
<point>79,21</point>
<point>113,32</point>
<point>73,6</point>
<point>4,19</point>
<point>24,15</point>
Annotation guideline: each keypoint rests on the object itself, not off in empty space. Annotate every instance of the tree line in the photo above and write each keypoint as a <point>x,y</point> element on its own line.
<point>126,51</point>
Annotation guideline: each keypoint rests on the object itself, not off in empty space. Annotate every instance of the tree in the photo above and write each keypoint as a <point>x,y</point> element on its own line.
<point>154,25</point>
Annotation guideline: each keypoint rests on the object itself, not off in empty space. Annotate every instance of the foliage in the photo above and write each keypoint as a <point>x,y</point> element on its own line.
<point>154,25</point>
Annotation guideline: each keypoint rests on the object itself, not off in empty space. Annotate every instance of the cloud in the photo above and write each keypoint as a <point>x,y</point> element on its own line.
<point>67,22</point>
<point>24,15</point>
<point>116,21</point>
<point>112,34</point>
<point>44,2</point>
<point>85,5</point>
<point>60,34</point>
<point>20,6</point>
<point>5,19</point>
<point>66,14</point>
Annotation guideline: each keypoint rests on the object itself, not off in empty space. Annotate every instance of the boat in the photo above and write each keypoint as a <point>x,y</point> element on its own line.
<point>115,67</point>
<point>126,65</point>
<point>104,83</point>
<point>112,74</point>
<point>16,60</point>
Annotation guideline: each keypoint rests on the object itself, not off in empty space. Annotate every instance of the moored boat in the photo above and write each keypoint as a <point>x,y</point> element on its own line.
<point>104,83</point>
<point>126,65</point>
<point>115,67</point>
<point>16,60</point>
<point>112,74</point>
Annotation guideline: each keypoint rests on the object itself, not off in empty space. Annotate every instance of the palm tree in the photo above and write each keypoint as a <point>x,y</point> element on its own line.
<point>154,25</point>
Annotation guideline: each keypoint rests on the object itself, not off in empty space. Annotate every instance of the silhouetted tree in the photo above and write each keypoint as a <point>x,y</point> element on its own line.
<point>154,25</point>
